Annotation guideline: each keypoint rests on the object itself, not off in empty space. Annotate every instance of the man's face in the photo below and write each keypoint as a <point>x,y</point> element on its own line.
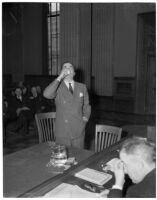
<point>34,91</point>
<point>18,92</point>
<point>70,70</point>
<point>132,166</point>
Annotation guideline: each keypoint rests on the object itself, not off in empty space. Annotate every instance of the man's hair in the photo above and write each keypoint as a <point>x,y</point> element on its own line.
<point>17,88</point>
<point>140,147</point>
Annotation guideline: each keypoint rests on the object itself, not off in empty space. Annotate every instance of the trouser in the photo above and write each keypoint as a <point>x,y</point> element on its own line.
<point>76,142</point>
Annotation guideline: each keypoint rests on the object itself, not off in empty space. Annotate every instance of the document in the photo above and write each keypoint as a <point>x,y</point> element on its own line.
<point>94,176</point>
<point>65,190</point>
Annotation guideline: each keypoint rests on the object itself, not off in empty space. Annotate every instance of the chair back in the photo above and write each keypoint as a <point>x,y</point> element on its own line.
<point>105,136</point>
<point>46,126</point>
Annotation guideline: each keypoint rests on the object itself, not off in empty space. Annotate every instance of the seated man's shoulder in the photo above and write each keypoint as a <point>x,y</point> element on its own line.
<point>144,189</point>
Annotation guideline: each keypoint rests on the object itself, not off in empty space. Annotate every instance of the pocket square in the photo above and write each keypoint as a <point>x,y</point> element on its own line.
<point>81,94</point>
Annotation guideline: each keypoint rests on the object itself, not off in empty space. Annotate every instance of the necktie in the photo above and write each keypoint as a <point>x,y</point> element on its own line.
<point>70,88</point>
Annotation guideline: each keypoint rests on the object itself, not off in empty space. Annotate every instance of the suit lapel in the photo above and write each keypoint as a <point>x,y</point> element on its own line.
<point>77,90</point>
<point>66,90</point>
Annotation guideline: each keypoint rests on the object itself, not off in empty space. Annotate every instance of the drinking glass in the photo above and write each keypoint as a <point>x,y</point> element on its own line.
<point>59,154</point>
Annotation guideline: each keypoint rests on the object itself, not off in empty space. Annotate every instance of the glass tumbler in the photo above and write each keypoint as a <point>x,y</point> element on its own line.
<point>59,154</point>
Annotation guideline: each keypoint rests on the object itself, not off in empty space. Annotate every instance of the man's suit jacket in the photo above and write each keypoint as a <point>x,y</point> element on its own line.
<point>15,103</point>
<point>70,109</point>
<point>145,189</point>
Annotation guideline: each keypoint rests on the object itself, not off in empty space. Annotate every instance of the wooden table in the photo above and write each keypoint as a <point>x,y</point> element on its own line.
<point>26,169</point>
<point>94,161</point>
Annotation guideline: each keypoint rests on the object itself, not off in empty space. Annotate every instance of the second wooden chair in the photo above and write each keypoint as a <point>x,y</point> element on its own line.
<point>105,136</point>
<point>46,126</point>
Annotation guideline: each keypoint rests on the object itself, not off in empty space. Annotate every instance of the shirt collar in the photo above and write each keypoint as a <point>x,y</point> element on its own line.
<point>67,83</point>
<point>19,97</point>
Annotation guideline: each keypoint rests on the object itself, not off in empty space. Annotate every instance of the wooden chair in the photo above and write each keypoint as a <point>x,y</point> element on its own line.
<point>46,126</point>
<point>105,136</point>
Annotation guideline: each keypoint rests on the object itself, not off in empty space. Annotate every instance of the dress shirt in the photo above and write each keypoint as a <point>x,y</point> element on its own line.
<point>19,97</point>
<point>67,84</point>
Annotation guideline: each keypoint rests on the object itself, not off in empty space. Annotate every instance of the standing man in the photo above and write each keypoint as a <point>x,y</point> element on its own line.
<point>72,107</point>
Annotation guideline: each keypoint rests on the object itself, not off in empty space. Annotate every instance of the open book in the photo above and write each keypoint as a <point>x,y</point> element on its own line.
<point>94,176</point>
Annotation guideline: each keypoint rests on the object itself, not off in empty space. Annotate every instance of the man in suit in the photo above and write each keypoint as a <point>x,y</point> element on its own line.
<point>19,110</point>
<point>72,107</point>
<point>137,159</point>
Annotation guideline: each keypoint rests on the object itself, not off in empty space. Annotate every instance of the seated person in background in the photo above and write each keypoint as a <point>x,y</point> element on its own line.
<point>38,88</point>
<point>19,110</point>
<point>38,103</point>
<point>5,105</point>
<point>34,93</point>
<point>5,110</point>
<point>137,159</point>
<point>24,91</point>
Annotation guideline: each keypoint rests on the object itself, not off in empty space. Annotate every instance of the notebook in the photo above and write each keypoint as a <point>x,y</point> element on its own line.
<point>94,176</point>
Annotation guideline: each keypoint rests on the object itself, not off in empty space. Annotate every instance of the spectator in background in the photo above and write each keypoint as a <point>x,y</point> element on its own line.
<point>34,93</point>
<point>24,91</point>
<point>38,88</point>
<point>137,159</point>
<point>72,107</point>
<point>5,110</point>
<point>20,111</point>
<point>5,116</point>
<point>38,103</point>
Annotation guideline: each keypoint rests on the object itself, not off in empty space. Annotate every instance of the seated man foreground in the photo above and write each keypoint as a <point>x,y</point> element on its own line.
<point>137,159</point>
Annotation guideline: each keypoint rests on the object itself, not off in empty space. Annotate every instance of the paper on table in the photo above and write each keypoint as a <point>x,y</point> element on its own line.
<point>65,190</point>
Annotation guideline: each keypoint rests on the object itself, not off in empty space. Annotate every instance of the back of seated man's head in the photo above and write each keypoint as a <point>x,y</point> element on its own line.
<point>138,156</point>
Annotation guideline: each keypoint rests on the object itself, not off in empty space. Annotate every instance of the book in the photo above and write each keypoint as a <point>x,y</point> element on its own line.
<point>94,176</point>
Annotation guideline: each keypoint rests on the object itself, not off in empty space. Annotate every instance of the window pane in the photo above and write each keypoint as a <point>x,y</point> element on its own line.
<point>53,38</point>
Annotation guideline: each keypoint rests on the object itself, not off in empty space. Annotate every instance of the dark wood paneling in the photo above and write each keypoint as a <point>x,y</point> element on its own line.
<point>41,80</point>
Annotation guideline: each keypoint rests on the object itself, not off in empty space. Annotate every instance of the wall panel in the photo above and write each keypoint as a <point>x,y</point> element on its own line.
<point>76,38</point>
<point>69,33</point>
<point>85,43</point>
<point>102,48</point>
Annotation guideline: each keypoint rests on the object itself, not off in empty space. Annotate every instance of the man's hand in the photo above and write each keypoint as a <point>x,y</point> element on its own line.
<point>18,111</point>
<point>119,173</point>
<point>63,74</point>
<point>104,193</point>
